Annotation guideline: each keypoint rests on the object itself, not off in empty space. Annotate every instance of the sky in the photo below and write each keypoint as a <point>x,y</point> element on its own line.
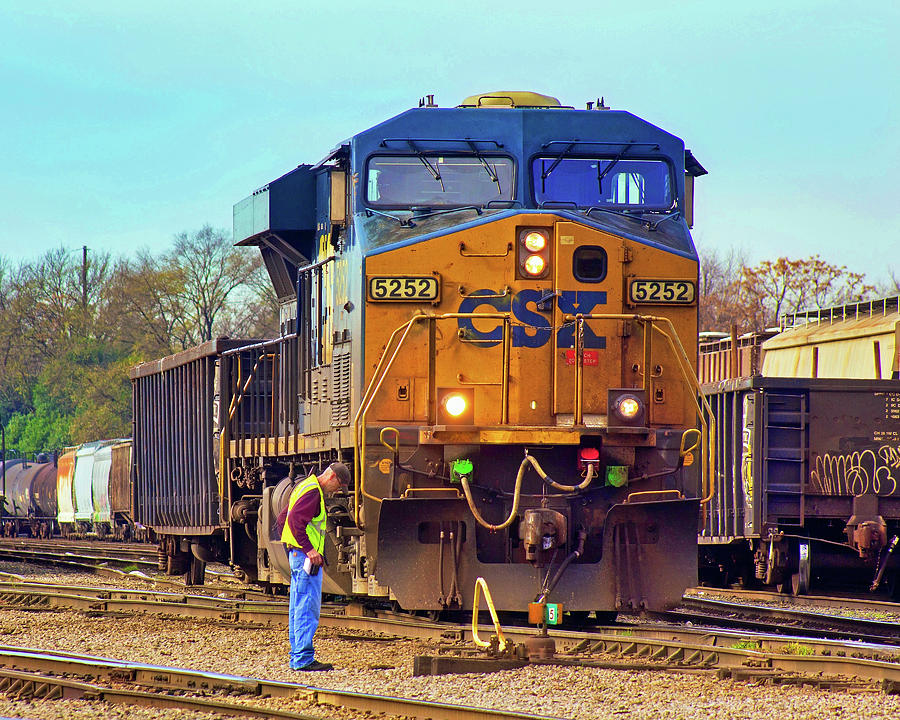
<point>123,124</point>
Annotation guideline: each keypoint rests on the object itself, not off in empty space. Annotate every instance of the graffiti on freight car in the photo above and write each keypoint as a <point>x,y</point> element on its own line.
<point>861,472</point>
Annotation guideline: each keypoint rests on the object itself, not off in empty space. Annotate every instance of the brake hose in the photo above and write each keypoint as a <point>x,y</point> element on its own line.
<point>515,506</point>
<point>552,483</point>
<point>517,492</point>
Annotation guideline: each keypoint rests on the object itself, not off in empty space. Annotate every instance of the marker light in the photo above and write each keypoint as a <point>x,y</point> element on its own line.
<point>628,408</point>
<point>455,405</point>
<point>535,242</point>
<point>535,264</point>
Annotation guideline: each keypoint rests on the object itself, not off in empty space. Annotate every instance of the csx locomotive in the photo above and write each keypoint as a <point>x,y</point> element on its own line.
<point>490,313</point>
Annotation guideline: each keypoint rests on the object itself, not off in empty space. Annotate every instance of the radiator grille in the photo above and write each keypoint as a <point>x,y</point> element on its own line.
<point>340,379</point>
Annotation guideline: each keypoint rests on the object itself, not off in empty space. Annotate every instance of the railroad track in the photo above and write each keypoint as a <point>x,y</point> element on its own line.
<point>659,646</point>
<point>27,673</point>
<point>766,618</point>
<point>79,553</point>
<point>818,601</point>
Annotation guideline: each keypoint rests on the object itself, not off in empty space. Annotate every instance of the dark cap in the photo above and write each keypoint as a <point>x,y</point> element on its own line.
<point>342,472</point>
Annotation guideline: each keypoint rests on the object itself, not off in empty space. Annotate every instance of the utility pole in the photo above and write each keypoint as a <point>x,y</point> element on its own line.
<point>84,279</point>
<point>3,441</point>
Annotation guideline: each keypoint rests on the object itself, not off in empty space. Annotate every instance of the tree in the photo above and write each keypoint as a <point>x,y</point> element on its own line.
<point>772,289</point>
<point>208,269</point>
<point>720,276</point>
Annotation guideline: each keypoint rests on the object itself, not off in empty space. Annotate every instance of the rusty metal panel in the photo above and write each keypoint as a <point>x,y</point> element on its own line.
<point>64,499</point>
<point>725,358</point>
<point>120,479</point>
<point>175,482</point>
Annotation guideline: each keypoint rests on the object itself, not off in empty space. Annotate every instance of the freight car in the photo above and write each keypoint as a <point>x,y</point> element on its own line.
<point>29,498</point>
<point>94,490</point>
<point>808,457</point>
<point>490,313</point>
<point>86,491</point>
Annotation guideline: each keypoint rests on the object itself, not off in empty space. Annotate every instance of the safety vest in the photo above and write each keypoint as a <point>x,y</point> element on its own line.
<point>315,530</point>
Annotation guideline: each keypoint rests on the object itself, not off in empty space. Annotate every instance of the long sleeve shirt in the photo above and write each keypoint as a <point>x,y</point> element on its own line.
<point>304,510</point>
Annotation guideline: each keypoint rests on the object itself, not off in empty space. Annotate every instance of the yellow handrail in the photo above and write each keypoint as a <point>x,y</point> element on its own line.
<point>481,585</point>
<point>650,322</point>
<point>392,348</point>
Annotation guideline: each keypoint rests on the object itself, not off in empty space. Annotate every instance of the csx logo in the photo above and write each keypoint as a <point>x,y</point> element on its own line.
<point>534,330</point>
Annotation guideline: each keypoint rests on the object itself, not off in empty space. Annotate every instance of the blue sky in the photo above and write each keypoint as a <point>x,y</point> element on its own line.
<point>123,124</point>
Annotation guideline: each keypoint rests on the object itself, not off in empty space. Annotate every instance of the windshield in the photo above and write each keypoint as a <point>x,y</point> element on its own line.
<point>596,182</point>
<point>433,180</point>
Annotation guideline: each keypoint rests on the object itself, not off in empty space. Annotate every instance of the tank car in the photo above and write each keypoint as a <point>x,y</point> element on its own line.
<point>807,468</point>
<point>489,311</point>
<point>30,498</point>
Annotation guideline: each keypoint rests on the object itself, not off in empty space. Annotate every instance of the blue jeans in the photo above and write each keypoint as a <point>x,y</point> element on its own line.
<point>305,604</point>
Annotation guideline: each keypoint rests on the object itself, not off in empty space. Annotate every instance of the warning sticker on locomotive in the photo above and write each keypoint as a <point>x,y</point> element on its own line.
<point>406,288</point>
<point>662,292</point>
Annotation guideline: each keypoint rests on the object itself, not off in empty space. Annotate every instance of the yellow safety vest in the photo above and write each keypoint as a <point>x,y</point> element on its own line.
<point>315,530</point>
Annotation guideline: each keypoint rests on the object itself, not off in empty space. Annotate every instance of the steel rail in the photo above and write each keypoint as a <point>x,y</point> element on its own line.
<point>835,602</point>
<point>813,623</point>
<point>33,668</point>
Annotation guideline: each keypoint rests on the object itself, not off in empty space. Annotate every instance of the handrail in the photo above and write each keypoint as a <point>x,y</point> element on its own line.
<point>649,322</point>
<point>462,247</point>
<point>480,584</point>
<point>392,349</point>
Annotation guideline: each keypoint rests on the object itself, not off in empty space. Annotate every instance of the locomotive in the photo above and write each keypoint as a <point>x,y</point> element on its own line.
<point>489,312</point>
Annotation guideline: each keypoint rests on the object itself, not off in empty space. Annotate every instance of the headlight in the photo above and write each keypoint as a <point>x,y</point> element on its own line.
<point>533,252</point>
<point>628,408</point>
<point>535,265</point>
<point>535,242</point>
<point>455,405</point>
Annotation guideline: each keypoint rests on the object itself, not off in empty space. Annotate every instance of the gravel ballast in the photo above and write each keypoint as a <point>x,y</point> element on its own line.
<point>557,691</point>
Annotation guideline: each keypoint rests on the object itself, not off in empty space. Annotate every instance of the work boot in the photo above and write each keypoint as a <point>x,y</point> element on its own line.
<point>315,665</point>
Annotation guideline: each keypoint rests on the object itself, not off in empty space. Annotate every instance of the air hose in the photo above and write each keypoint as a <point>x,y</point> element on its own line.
<point>577,553</point>
<point>517,491</point>
<point>552,483</point>
<point>515,506</point>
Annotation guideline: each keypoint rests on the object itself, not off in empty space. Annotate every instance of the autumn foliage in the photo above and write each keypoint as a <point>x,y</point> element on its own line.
<point>753,298</point>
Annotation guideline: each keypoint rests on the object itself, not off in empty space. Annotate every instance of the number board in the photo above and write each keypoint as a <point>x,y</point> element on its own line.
<point>662,292</point>
<point>405,288</point>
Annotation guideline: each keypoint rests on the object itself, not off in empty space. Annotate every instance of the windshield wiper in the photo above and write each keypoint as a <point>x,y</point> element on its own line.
<point>601,175</point>
<point>424,160</point>
<point>403,223</point>
<point>546,173</point>
<point>492,172</point>
<point>642,219</point>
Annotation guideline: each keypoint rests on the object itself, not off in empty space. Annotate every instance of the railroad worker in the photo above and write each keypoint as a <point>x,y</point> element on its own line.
<point>304,538</point>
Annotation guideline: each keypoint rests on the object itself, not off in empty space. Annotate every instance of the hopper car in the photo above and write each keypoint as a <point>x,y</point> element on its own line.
<point>808,458</point>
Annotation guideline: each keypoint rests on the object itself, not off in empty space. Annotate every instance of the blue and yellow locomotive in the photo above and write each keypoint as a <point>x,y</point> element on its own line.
<point>490,312</point>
